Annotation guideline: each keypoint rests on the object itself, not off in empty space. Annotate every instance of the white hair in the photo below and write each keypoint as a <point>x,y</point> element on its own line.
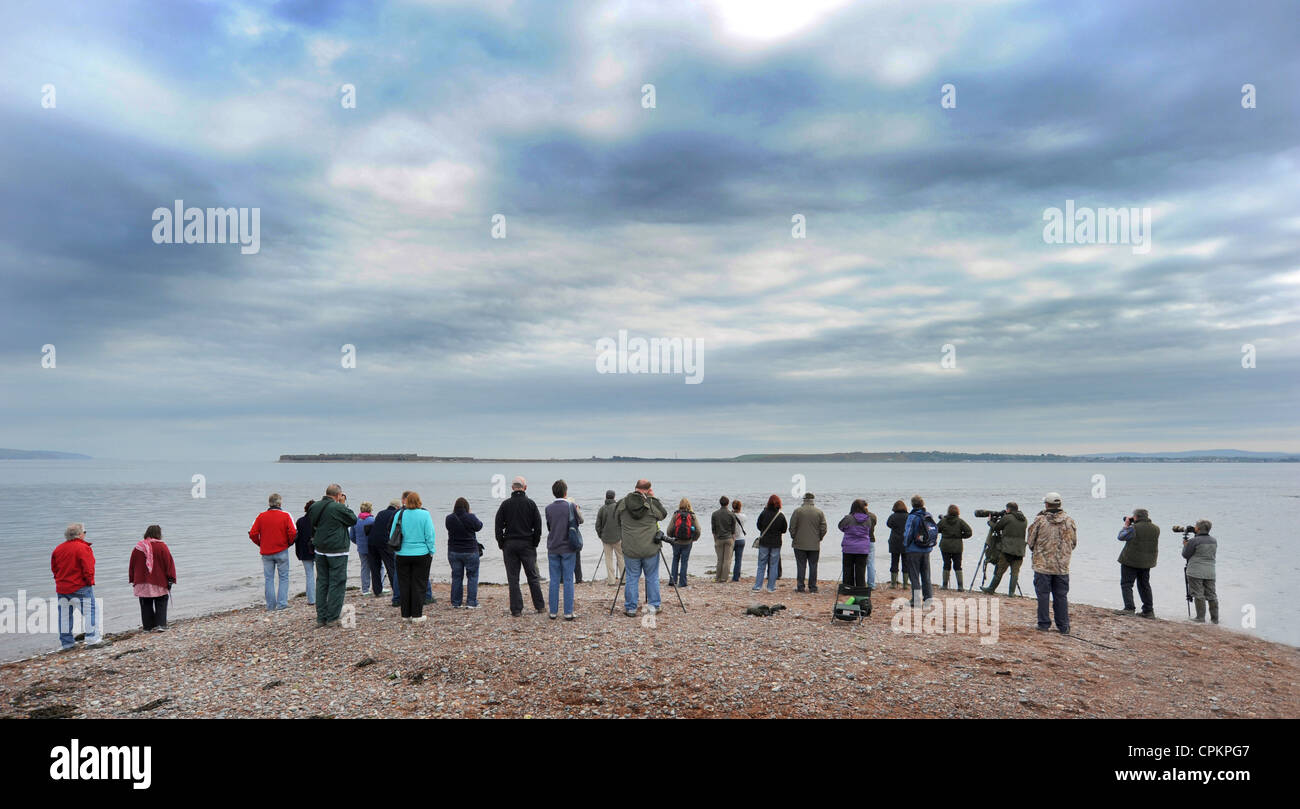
<point>74,530</point>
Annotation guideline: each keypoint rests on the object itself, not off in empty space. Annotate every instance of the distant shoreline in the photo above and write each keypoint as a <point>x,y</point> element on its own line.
<point>849,457</point>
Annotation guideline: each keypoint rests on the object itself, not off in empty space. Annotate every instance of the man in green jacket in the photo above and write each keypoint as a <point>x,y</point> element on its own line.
<point>1140,537</point>
<point>330,521</point>
<point>1011,526</point>
<point>807,529</point>
<point>637,517</point>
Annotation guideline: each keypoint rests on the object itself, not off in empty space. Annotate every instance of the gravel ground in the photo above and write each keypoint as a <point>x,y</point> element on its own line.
<point>713,661</point>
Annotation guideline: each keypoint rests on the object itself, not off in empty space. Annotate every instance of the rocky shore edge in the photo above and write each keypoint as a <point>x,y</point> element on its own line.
<point>711,661</point>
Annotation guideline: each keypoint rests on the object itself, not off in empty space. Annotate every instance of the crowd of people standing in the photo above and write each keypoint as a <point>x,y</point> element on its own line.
<point>396,545</point>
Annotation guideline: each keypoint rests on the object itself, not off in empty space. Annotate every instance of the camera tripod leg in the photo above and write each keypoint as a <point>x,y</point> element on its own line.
<point>671,580</point>
<point>617,590</point>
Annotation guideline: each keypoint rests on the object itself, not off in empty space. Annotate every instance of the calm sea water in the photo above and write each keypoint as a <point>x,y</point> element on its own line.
<point>1253,507</point>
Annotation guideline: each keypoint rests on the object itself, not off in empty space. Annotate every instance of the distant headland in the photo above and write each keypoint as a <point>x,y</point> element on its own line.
<point>1191,456</point>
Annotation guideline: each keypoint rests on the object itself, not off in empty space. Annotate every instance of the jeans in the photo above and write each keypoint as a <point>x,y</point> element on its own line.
<point>1052,587</point>
<point>677,570</point>
<point>520,553</point>
<point>153,612</point>
<point>737,550</point>
<point>309,569</point>
<point>331,583</point>
<point>871,567</point>
<point>768,558</point>
<point>365,566</point>
<point>82,601</point>
<point>917,566</point>
<point>464,565</point>
<point>807,559</point>
<point>613,562</point>
<point>1142,576</point>
<point>562,568</point>
<point>273,564</point>
<point>412,571</point>
<point>634,568</point>
<point>855,566</point>
<point>722,568</point>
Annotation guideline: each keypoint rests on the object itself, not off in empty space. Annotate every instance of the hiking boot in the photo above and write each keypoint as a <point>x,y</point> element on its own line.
<point>1126,611</point>
<point>630,613</point>
<point>1147,614</point>
<point>812,589</point>
<point>799,589</point>
<point>989,590</point>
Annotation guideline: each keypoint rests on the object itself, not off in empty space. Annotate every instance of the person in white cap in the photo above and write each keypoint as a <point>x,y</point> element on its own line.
<point>1052,538</point>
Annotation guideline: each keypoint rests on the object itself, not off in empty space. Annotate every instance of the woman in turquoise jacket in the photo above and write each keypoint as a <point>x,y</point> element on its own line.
<point>414,557</point>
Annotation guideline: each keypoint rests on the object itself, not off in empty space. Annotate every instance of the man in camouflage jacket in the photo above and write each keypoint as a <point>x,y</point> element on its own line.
<point>1052,538</point>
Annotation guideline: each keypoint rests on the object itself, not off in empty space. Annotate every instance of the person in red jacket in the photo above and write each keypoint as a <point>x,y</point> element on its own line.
<point>273,531</point>
<point>73,565</point>
<point>152,572</point>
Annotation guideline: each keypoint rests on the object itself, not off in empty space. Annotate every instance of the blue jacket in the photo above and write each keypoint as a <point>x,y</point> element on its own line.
<point>417,532</point>
<point>462,527</point>
<point>358,533</point>
<point>911,529</point>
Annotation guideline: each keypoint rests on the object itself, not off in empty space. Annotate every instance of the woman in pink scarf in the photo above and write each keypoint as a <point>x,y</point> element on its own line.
<point>152,574</point>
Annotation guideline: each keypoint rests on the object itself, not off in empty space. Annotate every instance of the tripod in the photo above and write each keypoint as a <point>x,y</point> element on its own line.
<point>994,539</point>
<point>614,603</point>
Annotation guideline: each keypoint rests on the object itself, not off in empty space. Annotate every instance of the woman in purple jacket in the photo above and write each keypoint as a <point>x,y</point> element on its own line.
<point>856,545</point>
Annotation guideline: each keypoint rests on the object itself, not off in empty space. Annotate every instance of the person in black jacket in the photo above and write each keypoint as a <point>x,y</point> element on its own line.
<point>769,527</point>
<point>896,523</point>
<point>381,556</point>
<point>518,533</point>
<point>463,553</point>
<point>306,552</point>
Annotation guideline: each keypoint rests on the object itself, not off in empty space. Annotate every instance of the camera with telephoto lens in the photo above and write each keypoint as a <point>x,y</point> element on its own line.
<point>1190,528</point>
<point>988,512</point>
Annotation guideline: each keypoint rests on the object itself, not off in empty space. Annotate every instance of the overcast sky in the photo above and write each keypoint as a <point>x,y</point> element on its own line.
<point>924,226</point>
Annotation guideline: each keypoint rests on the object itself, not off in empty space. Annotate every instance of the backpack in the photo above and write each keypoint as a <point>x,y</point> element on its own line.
<point>395,540</point>
<point>575,536</point>
<point>682,530</point>
<point>927,535</point>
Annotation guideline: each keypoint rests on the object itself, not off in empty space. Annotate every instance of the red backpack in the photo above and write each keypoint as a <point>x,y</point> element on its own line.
<point>682,527</point>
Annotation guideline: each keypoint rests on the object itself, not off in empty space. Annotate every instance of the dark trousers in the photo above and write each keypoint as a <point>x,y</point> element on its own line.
<point>917,566</point>
<point>1052,588</point>
<point>804,559</point>
<point>951,560</point>
<point>855,569</point>
<point>737,550</point>
<point>577,568</point>
<point>1140,575</point>
<point>1005,562</point>
<point>331,582</point>
<point>895,560</point>
<point>381,559</point>
<point>516,554</point>
<point>153,612</point>
<point>412,578</point>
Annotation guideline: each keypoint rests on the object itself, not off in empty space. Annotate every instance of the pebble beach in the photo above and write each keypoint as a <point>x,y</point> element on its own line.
<point>711,661</point>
